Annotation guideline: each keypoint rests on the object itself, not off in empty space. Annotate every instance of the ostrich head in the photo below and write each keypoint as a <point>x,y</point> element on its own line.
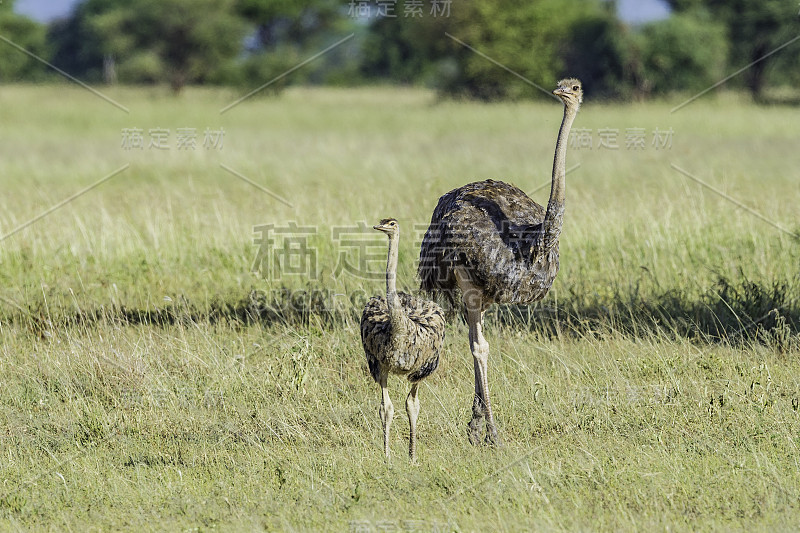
<point>570,91</point>
<point>389,227</point>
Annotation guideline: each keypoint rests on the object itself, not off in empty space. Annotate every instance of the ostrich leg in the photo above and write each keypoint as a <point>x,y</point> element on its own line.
<point>476,424</point>
<point>386,411</point>
<point>481,407</point>
<point>412,408</point>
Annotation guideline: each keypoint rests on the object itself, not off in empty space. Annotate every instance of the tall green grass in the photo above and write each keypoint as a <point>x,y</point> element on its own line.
<point>152,379</point>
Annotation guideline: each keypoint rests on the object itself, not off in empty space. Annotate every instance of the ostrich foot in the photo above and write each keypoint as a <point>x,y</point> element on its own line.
<point>476,424</point>
<point>491,436</point>
<point>475,430</point>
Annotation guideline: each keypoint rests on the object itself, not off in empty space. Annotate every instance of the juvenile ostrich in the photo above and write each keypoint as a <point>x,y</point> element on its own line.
<point>496,245</point>
<point>401,335</point>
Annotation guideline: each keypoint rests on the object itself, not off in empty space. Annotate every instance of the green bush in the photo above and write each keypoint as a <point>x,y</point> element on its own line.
<point>682,53</point>
<point>27,34</point>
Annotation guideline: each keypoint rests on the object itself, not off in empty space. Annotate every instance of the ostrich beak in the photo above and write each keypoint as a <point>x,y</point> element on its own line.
<point>559,91</point>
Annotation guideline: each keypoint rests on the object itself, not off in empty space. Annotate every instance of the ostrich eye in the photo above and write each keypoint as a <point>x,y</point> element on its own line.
<point>574,87</point>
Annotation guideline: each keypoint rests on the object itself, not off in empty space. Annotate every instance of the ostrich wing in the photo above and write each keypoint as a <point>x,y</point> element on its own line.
<point>491,228</point>
<point>415,351</point>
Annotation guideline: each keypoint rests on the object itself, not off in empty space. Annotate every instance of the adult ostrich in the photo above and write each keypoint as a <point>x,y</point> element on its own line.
<point>496,245</point>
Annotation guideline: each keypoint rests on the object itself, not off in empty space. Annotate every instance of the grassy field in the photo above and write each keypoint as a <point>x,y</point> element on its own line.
<point>153,379</point>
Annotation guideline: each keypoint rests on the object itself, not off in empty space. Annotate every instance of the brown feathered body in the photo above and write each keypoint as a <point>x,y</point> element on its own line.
<point>409,345</point>
<point>496,231</point>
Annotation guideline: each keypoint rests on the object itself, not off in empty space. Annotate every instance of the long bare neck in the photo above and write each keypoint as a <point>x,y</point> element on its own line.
<point>392,299</point>
<point>553,219</point>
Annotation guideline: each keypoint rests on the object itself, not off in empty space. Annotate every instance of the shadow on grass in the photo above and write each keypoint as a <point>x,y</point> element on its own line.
<point>728,312</point>
<point>290,307</point>
<point>732,312</point>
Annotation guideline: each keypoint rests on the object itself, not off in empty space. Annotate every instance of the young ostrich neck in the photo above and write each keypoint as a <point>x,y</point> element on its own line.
<point>392,299</point>
<point>551,227</point>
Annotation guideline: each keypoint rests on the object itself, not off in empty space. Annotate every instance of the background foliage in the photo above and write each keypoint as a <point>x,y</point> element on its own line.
<point>25,33</point>
<point>250,42</point>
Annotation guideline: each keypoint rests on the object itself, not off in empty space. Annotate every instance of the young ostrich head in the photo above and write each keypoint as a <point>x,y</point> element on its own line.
<point>570,91</point>
<point>389,227</point>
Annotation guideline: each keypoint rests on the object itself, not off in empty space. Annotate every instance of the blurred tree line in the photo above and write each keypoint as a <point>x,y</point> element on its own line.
<point>249,42</point>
